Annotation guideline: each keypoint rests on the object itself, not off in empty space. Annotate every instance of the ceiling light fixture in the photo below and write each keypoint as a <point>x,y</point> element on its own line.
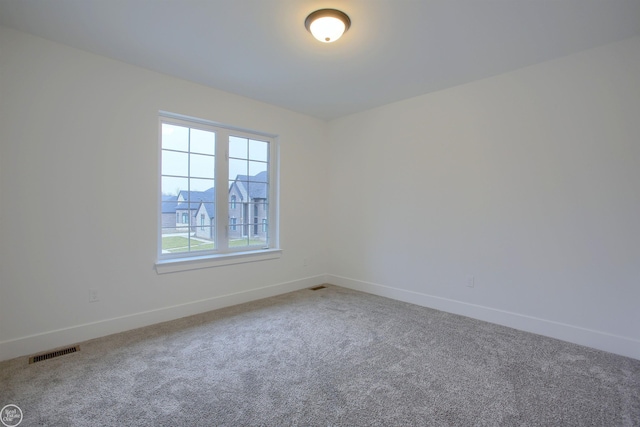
<point>327,25</point>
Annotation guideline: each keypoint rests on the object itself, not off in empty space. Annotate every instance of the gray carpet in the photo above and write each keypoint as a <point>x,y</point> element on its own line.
<point>332,357</point>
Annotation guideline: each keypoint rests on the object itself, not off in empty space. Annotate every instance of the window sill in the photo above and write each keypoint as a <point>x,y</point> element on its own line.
<point>195,263</point>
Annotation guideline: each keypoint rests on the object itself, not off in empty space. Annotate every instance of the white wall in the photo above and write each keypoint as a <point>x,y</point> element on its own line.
<point>79,194</point>
<point>529,181</point>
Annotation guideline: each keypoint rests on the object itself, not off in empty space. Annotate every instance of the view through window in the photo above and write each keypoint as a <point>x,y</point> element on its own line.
<point>216,189</point>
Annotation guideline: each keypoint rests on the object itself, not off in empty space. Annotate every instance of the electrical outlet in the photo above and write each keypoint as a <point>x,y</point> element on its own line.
<point>94,296</point>
<point>471,281</point>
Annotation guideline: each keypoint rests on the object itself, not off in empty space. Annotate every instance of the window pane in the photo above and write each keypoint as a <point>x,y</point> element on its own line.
<point>258,150</point>
<point>169,230</point>
<point>255,168</point>
<point>208,210</point>
<point>246,241</point>
<point>174,163</point>
<point>237,167</point>
<point>192,208</point>
<point>238,242</point>
<point>238,147</point>
<point>203,239</point>
<point>204,233</point>
<point>175,137</point>
<point>175,243</point>
<point>173,186</point>
<point>258,190</point>
<point>202,185</point>
<point>203,141</point>
<point>202,166</point>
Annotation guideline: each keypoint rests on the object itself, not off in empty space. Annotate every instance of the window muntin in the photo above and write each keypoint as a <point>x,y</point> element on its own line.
<point>195,156</point>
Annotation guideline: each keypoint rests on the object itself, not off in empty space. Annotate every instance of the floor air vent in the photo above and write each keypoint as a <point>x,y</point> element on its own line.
<point>53,354</point>
<point>317,288</point>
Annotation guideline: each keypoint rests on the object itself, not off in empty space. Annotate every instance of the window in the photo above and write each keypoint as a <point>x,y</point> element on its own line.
<point>201,164</point>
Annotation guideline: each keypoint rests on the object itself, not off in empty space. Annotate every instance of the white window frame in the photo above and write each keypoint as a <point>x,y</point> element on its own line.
<point>223,254</point>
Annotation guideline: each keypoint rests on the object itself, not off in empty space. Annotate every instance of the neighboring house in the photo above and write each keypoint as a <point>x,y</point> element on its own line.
<point>179,212</point>
<point>169,205</point>
<point>194,211</point>
<point>248,206</point>
<point>204,218</point>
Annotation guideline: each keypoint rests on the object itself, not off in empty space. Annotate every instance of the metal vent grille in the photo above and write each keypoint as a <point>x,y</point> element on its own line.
<point>317,288</point>
<point>53,354</point>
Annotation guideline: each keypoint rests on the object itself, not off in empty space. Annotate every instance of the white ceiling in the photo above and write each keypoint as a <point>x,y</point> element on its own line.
<point>395,49</point>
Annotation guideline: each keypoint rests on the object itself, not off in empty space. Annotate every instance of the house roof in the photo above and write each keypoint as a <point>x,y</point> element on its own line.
<point>183,206</point>
<point>169,204</point>
<point>197,196</point>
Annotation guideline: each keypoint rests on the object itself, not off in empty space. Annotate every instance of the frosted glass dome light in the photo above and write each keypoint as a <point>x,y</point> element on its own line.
<point>327,25</point>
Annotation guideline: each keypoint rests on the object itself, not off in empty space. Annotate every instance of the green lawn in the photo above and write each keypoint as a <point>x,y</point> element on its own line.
<point>172,242</point>
<point>243,242</point>
<point>181,244</point>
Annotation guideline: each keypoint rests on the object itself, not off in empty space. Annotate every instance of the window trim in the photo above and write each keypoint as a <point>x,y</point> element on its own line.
<point>197,262</point>
<point>222,256</point>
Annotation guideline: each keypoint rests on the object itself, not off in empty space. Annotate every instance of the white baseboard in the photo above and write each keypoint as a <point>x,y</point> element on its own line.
<point>624,346</point>
<point>62,337</point>
<point>53,339</point>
